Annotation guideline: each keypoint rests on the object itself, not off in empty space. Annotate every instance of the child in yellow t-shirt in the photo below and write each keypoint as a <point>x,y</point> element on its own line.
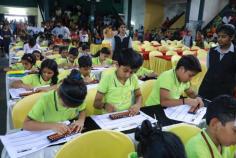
<point>102,58</point>
<point>85,65</point>
<point>118,90</point>
<point>216,139</point>
<point>153,142</point>
<point>65,103</point>
<point>39,57</point>
<point>47,76</point>
<point>61,61</point>
<point>27,63</point>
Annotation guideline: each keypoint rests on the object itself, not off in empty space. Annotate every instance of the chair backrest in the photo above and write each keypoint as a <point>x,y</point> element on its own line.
<point>22,108</point>
<point>188,52</point>
<point>201,54</point>
<point>146,89</point>
<point>98,144</point>
<point>155,53</point>
<point>184,131</point>
<point>171,52</point>
<point>174,60</point>
<point>89,101</point>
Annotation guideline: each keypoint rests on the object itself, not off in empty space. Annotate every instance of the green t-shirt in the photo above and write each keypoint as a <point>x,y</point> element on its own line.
<point>62,61</point>
<point>197,147</point>
<point>167,80</point>
<point>49,108</point>
<point>19,66</point>
<point>117,94</point>
<point>96,61</point>
<point>133,155</point>
<point>142,71</point>
<point>63,74</point>
<point>35,80</point>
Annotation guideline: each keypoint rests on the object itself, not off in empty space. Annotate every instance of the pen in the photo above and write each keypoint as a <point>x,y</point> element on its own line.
<point>194,110</point>
<point>24,150</point>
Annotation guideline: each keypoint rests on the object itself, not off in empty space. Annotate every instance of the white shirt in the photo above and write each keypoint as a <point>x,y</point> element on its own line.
<point>230,49</point>
<point>64,31</point>
<point>30,50</point>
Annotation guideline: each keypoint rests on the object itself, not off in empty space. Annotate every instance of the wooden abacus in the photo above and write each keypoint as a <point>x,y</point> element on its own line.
<point>119,115</point>
<point>55,137</point>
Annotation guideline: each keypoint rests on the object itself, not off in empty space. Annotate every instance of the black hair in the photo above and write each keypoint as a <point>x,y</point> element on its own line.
<point>104,50</point>
<point>50,42</point>
<point>190,63</point>
<point>223,108</point>
<point>52,65</point>
<point>38,51</point>
<point>85,46</point>
<point>56,46</point>
<point>60,36</point>
<point>62,48</point>
<point>29,57</point>
<point>227,29</point>
<point>85,61</point>
<point>73,89</point>
<point>67,40</point>
<point>32,42</point>
<point>153,142</point>
<point>120,24</point>
<point>129,57</point>
<point>74,52</point>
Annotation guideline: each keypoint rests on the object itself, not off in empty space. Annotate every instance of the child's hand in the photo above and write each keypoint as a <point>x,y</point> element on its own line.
<point>110,108</point>
<point>134,110</point>
<point>60,128</point>
<point>200,102</point>
<point>28,87</point>
<point>42,89</point>
<point>6,69</point>
<point>192,102</point>
<point>79,124</point>
<point>87,79</point>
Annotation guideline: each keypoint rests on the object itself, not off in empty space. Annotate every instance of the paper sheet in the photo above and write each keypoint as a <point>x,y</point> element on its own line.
<point>180,113</point>
<point>15,92</point>
<point>121,124</point>
<point>25,142</point>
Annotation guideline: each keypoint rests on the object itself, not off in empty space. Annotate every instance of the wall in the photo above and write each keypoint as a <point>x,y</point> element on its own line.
<point>154,14</point>
<point>212,8</point>
<point>138,13</point>
<point>173,8</point>
<point>194,10</point>
<point>179,23</point>
<point>16,10</point>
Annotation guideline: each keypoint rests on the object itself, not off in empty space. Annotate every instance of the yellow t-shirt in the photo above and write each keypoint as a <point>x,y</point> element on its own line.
<point>35,80</point>
<point>167,80</point>
<point>197,147</point>
<point>142,71</point>
<point>117,94</point>
<point>96,61</point>
<point>50,109</point>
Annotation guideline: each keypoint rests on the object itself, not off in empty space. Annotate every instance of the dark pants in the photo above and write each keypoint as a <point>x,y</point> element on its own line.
<point>6,46</point>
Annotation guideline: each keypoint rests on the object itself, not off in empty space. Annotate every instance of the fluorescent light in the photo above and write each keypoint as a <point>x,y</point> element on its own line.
<point>16,11</point>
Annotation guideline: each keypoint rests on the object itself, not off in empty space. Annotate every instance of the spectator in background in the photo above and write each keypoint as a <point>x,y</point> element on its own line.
<point>31,46</point>
<point>120,41</point>
<point>199,40</point>
<point>147,36</point>
<point>83,36</point>
<point>61,30</point>
<point>141,34</point>
<point>5,33</point>
<point>188,39</point>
